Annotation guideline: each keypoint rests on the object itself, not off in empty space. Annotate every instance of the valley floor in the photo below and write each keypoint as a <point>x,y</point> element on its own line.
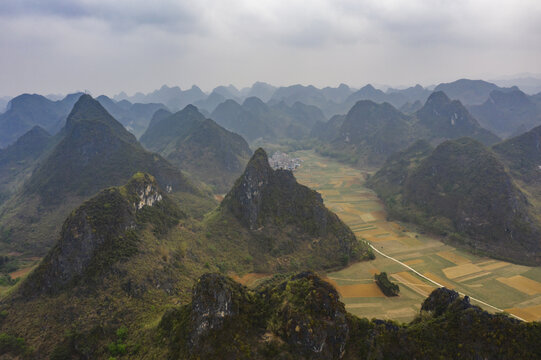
<point>513,288</point>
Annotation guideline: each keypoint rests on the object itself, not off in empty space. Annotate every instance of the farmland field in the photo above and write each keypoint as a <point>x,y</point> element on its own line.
<point>513,288</point>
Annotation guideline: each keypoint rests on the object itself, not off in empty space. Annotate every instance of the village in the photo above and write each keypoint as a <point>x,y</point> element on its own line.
<point>282,161</point>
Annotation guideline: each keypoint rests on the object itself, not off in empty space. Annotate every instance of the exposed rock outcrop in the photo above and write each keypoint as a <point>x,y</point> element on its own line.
<point>285,217</point>
<point>301,311</point>
<point>311,317</point>
<point>100,232</point>
<point>216,299</point>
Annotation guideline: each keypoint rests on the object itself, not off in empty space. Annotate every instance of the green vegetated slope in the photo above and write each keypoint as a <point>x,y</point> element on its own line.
<point>198,146</point>
<point>522,156</point>
<point>93,151</point>
<point>461,190</point>
<point>116,263</point>
<point>18,160</point>
<point>300,317</point>
<point>371,132</point>
<point>129,253</point>
<point>284,225</point>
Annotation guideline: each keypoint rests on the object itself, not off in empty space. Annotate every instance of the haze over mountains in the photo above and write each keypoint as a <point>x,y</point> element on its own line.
<point>135,111</point>
<point>199,146</point>
<point>122,200</point>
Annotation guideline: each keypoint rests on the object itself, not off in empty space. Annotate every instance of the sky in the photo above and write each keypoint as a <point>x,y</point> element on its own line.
<point>104,47</point>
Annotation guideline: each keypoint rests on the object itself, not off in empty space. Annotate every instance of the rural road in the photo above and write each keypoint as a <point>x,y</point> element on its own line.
<point>438,284</point>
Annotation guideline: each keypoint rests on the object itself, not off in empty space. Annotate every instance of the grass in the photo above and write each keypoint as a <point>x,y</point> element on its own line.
<point>344,192</point>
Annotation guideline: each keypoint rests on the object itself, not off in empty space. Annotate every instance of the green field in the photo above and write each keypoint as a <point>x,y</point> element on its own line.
<point>514,288</point>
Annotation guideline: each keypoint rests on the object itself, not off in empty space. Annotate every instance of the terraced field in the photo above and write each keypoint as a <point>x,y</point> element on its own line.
<point>514,288</point>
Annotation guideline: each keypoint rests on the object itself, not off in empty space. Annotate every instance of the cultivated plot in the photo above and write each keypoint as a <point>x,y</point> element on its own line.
<point>513,288</point>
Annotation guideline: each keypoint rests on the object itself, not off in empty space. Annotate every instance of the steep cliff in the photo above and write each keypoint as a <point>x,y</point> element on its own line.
<point>101,232</point>
<point>299,315</point>
<point>283,219</point>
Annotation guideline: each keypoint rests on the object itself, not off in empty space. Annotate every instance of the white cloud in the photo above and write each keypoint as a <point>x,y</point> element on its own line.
<point>107,46</point>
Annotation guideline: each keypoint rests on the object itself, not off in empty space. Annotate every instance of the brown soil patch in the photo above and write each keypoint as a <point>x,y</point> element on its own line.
<point>21,272</point>
<point>453,257</point>
<point>461,270</point>
<point>496,265</point>
<point>531,313</point>
<point>362,305</point>
<point>379,215</point>
<point>360,290</point>
<point>522,284</point>
<point>219,197</point>
<point>250,278</point>
<point>439,280</point>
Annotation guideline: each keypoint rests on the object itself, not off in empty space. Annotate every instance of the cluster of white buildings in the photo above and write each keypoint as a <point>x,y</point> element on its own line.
<point>280,160</point>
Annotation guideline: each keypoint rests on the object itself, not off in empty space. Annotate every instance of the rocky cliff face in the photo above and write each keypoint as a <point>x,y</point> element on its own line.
<point>284,218</point>
<point>300,317</point>
<point>263,196</point>
<point>246,198</point>
<point>311,318</point>
<point>216,299</point>
<point>98,233</point>
<point>301,311</point>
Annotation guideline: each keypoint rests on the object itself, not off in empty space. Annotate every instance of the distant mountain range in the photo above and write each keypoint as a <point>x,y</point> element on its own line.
<point>529,83</point>
<point>26,111</point>
<point>370,132</point>
<point>508,113</point>
<point>198,146</point>
<point>135,117</point>
<point>18,160</point>
<point>254,119</point>
<point>470,92</point>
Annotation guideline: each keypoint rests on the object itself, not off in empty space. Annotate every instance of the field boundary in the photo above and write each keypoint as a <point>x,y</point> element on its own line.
<point>438,284</point>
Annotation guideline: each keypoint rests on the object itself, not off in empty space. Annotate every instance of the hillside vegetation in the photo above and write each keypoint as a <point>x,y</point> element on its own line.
<point>461,190</point>
<point>199,146</point>
<point>92,152</point>
<point>300,317</point>
<point>371,132</point>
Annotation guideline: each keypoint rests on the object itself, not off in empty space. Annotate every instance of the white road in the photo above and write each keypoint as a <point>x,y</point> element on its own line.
<point>438,284</point>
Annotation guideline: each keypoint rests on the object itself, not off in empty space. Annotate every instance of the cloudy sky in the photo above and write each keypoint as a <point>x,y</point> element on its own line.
<point>58,46</point>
